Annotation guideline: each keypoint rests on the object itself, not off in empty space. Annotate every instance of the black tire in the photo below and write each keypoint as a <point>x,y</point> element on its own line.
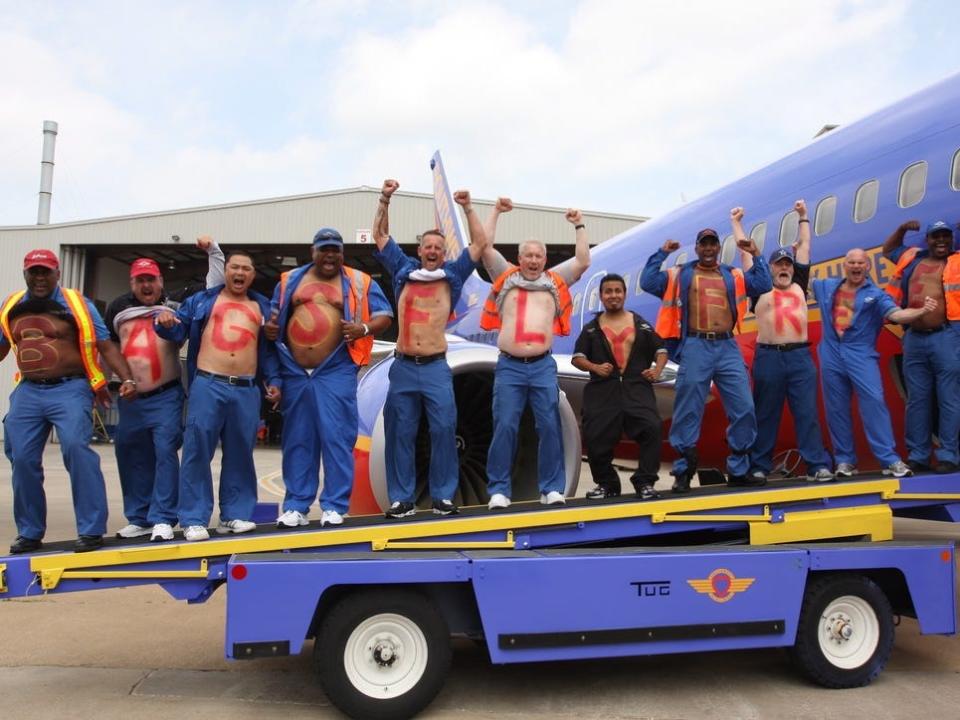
<point>382,654</point>
<point>845,633</point>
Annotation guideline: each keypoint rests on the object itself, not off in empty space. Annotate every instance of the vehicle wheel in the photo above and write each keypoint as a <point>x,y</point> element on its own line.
<point>845,632</point>
<point>382,654</point>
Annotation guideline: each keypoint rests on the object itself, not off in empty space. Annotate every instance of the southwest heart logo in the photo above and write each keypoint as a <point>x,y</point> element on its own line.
<point>721,585</point>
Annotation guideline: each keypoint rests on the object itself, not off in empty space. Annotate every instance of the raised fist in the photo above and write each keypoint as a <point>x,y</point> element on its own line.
<point>670,245</point>
<point>574,217</point>
<point>748,245</point>
<point>204,242</point>
<point>504,205</point>
<point>800,206</point>
<point>736,214</point>
<point>462,198</point>
<point>389,187</point>
<point>910,225</point>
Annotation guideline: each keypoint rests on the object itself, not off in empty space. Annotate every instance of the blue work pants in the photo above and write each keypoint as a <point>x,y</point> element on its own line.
<point>69,408</point>
<point>515,383</point>
<point>320,422</point>
<point>845,369</point>
<point>786,375</point>
<point>229,414</point>
<point>932,361</point>
<point>719,361</point>
<point>413,389</point>
<point>149,434</point>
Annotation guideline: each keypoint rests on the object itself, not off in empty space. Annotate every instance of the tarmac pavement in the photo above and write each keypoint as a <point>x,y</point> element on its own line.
<point>136,652</point>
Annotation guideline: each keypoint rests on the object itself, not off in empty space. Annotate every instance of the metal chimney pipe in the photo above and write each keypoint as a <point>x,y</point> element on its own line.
<point>46,171</point>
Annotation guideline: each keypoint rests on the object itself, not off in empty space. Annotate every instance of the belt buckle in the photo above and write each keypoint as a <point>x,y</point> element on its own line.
<point>710,336</point>
<point>419,360</point>
<point>782,347</point>
<point>233,380</point>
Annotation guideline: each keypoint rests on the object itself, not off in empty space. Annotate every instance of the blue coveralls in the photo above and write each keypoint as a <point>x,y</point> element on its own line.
<point>69,408</point>
<point>319,410</point>
<point>849,364</point>
<point>704,360</point>
<point>421,386</point>
<point>931,360</point>
<point>219,411</point>
<point>789,375</point>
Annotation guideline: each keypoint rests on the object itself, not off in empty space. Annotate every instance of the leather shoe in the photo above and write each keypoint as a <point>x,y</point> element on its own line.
<point>918,466</point>
<point>602,492</point>
<point>24,545</point>
<point>746,481</point>
<point>945,467</point>
<point>86,543</point>
<point>646,492</point>
<point>681,483</point>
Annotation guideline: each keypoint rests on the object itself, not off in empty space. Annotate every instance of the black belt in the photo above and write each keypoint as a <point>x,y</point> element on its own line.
<point>712,335</point>
<point>420,359</point>
<point>531,359</point>
<point>228,379</point>
<point>166,386</point>
<point>930,331</point>
<point>783,347</point>
<point>52,381</point>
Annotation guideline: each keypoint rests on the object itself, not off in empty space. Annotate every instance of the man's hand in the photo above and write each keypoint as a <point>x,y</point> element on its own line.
<point>351,330</point>
<point>462,198</point>
<point>602,369</point>
<point>389,188</point>
<point>271,330</point>
<point>748,245</point>
<point>670,246</point>
<point>204,242</point>
<point>736,215</point>
<point>929,305</point>
<point>800,207</point>
<point>273,396</point>
<point>504,205</point>
<point>167,319</point>
<point>574,217</point>
<point>651,374</point>
<point>102,398</point>
<point>913,225</point>
<point>128,390</point>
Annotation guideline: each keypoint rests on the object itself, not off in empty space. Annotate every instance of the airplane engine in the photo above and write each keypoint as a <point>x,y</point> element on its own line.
<point>472,366</point>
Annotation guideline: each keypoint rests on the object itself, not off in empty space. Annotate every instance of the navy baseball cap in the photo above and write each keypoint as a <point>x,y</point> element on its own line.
<point>780,254</point>
<point>707,233</point>
<point>327,236</point>
<point>938,227</point>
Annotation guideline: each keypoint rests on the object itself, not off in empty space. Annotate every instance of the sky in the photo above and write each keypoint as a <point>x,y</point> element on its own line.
<point>629,107</point>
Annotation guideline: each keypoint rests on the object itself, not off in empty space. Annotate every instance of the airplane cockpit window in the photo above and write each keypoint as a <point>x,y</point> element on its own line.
<point>626,281</point>
<point>913,184</point>
<point>681,259</point>
<point>576,302</point>
<point>789,227</point>
<point>638,290</point>
<point>865,201</point>
<point>955,172</point>
<point>729,249</point>
<point>826,215</point>
<point>759,234</point>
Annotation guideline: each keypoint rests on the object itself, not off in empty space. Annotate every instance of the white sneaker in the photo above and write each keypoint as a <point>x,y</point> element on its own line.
<point>331,517</point>
<point>196,532</point>
<point>846,470</point>
<point>498,501</point>
<point>132,531</point>
<point>235,526</point>
<point>898,469</point>
<point>821,475</point>
<point>292,519</point>
<point>161,532</point>
<point>553,498</point>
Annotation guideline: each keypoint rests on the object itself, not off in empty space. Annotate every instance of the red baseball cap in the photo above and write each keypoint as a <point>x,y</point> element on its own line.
<point>144,266</point>
<point>41,258</point>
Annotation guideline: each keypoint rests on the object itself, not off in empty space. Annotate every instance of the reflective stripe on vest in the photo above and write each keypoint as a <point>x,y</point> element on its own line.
<point>669,317</point>
<point>894,287</point>
<point>490,316</point>
<point>951,287</point>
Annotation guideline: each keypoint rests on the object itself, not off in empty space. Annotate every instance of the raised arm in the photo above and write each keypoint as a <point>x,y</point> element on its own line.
<point>381,221</point>
<point>215,260</point>
<point>736,224</point>
<point>581,257</point>
<point>654,280</point>
<point>895,241</point>
<point>475,229</point>
<point>801,251</point>
<point>493,260</point>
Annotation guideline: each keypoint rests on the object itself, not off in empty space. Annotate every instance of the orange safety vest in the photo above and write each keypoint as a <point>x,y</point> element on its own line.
<point>951,281</point>
<point>670,317</point>
<point>361,349</point>
<point>86,335</point>
<point>490,318</point>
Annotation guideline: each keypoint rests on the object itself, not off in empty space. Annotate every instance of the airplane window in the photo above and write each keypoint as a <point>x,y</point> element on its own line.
<point>639,290</point>
<point>865,202</point>
<point>729,249</point>
<point>788,228</point>
<point>913,184</point>
<point>576,303</point>
<point>594,300</point>
<point>826,215</point>
<point>955,171</point>
<point>626,280</point>
<point>681,259</point>
<point>759,234</point>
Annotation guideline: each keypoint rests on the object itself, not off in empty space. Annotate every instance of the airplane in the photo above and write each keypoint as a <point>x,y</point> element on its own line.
<point>859,182</point>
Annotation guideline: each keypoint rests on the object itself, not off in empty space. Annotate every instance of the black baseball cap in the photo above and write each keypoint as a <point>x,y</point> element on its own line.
<point>707,233</point>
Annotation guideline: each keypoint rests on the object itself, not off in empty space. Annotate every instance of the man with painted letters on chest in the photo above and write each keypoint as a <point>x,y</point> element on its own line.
<point>56,335</point>
<point>618,348</point>
<point>528,305</point>
<point>931,343</point>
<point>226,357</point>
<point>324,316</point>
<point>427,290</point>
<point>783,366</point>
<point>150,428</point>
